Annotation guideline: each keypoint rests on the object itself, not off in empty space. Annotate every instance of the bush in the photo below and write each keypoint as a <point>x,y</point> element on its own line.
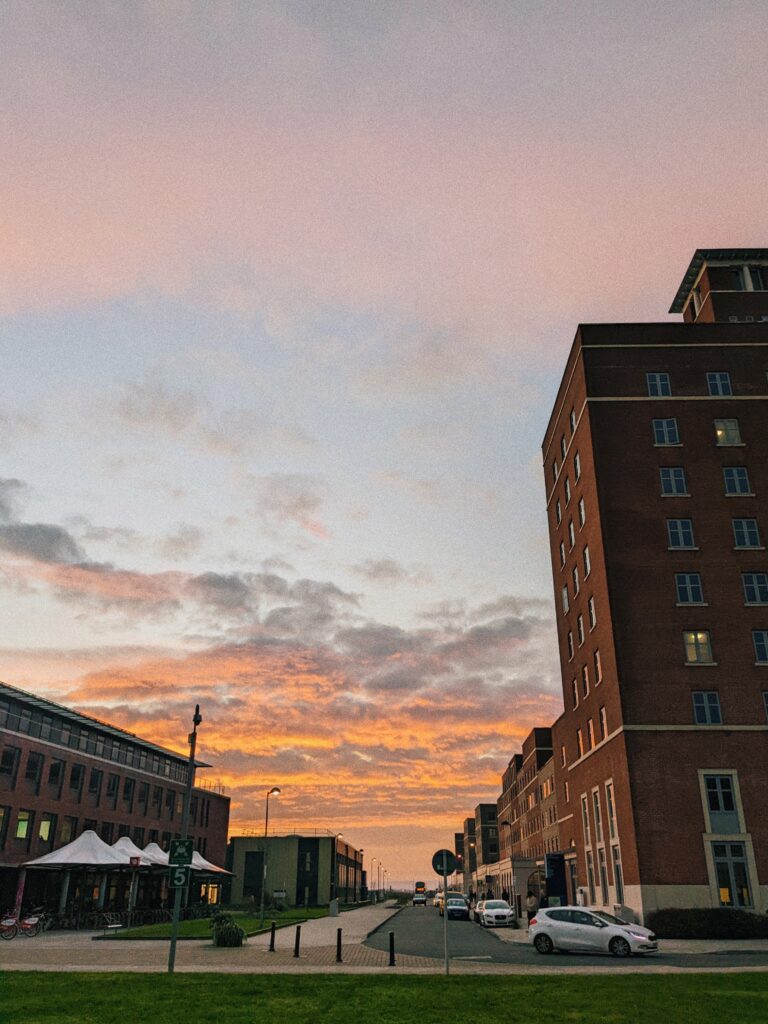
<point>708,923</point>
<point>226,931</point>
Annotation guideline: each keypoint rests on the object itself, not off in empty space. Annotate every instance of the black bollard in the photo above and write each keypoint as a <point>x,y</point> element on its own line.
<point>391,949</point>
<point>272,931</point>
<point>297,943</point>
<point>338,946</point>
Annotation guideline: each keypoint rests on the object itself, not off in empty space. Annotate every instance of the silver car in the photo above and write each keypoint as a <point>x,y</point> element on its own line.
<point>496,913</point>
<point>588,931</point>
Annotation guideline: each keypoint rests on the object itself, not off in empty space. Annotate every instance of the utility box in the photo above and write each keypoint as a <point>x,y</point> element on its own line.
<point>333,908</point>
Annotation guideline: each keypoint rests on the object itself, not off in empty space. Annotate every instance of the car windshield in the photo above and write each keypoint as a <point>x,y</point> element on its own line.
<point>608,917</point>
<point>497,905</point>
<point>456,903</point>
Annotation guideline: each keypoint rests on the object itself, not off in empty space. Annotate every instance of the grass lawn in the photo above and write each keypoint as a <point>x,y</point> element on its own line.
<point>201,929</point>
<point>33,998</point>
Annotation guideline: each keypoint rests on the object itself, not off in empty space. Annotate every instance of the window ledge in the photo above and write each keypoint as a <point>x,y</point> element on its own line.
<point>740,494</point>
<point>762,664</point>
<point>732,444</point>
<point>676,494</point>
<point>695,548</point>
<point>755,604</point>
<point>668,444</point>
<point>691,604</point>
<point>748,547</point>
<point>700,664</point>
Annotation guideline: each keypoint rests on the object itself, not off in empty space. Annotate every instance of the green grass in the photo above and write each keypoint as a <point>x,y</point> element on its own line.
<point>32,998</point>
<point>201,928</point>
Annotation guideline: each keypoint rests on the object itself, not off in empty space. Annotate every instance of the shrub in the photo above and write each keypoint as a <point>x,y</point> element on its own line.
<point>708,923</point>
<point>226,931</point>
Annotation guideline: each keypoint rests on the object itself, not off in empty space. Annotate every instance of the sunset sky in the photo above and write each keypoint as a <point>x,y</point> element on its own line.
<point>285,294</point>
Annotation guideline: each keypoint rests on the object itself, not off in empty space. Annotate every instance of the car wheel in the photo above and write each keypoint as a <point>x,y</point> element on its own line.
<point>620,947</point>
<point>543,944</point>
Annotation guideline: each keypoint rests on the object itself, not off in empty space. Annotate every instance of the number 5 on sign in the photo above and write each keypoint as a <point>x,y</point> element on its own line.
<point>178,877</point>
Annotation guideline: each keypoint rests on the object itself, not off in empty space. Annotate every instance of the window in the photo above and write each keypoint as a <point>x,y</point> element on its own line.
<point>577,465</point>
<point>746,533</point>
<point>736,480</point>
<point>128,787</point>
<point>756,276</point>
<point>571,534</point>
<point>592,613</point>
<point>719,384</point>
<point>582,512</point>
<point>574,693</point>
<point>591,882</point>
<point>567,491</point>
<point>94,783</point>
<point>673,480</point>
<point>562,756</point>
<point>558,512</point>
<point>563,447</point>
<point>755,587</point>
<point>698,647</point>
<point>580,742</point>
<point>765,708</point>
<point>554,471</point>
<point>603,723</point>
<point>564,598</point>
<point>658,385</point>
<point>8,760</point>
<point>603,871</point>
<point>732,875</point>
<point>727,433</point>
<point>76,777</point>
<point>760,640</point>
<point>706,707</point>
<point>24,824</point>
<point>55,773</point>
<point>590,734</point>
<point>598,818</point>
<point>47,828</point>
<point>598,668</point>
<point>572,420</point>
<point>587,563</point>
<point>665,432</point>
<point>721,803</point>
<point>688,588</point>
<point>610,804</point>
<point>585,821</point>
<point>570,645</point>
<point>617,874</point>
<point>567,788</point>
<point>580,629</point>
<point>680,533</point>
<point>585,681</point>
<point>113,785</point>
<point>575,575</point>
<point>34,769</point>
<point>562,553</point>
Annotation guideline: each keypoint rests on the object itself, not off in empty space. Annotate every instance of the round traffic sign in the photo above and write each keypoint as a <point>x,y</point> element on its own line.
<point>444,862</point>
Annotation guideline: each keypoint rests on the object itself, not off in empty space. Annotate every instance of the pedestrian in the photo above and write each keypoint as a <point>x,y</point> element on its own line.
<point>472,896</point>
<point>505,895</point>
<point>531,906</point>
<point>489,894</point>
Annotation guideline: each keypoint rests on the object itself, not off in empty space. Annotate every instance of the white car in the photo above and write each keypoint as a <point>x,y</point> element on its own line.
<point>588,931</point>
<point>495,913</point>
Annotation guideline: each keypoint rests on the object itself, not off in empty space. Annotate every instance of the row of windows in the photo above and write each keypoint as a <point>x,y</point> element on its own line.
<point>21,719</point>
<point>697,644</point>
<point>689,589</point>
<point>707,710</point>
<point>727,432</point>
<point>718,384</point>
<point>586,740</point>
<point>746,534</point>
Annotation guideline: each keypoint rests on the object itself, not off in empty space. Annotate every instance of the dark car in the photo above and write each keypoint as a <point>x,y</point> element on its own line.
<point>457,908</point>
<point>419,899</point>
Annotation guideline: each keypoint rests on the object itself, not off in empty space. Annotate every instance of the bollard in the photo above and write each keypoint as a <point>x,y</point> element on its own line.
<point>272,931</point>
<point>391,949</point>
<point>297,943</point>
<point>338,946</point>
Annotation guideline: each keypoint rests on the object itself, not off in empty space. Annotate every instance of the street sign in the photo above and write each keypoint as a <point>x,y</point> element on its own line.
<point>178,877</point>
<point>444,862</point>
<point>135,862</point>
<point>181,852</point>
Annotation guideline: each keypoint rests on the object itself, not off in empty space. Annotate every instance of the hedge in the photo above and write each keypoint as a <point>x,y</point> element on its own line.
<point>708,923</point>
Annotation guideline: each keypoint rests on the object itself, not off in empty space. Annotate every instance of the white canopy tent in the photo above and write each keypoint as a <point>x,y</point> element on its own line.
<point>127,848</point>
<point>87,851</point>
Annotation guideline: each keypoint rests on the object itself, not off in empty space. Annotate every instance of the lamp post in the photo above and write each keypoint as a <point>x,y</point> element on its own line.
<point>373,879</point>
<point>275,791</point>
<point>361,851</point>
<point>512,893</point>
<point>192,740</point>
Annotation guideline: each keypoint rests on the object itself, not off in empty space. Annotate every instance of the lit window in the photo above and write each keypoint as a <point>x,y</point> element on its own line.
<point>585,681</point>
<point>727,433</point>
<point>575,575</point>
<point>688,587</point>
<point>673,480</point>
<point>567,491</point>
<point>591,742</point>
<point>577,465</point>
<point>746,533</point>
<point>698,647</point>
<point>574,693</point>
<point>587,563</point>
<point>562,756</point>
<point>658,385</point>
<point>580,742</point>
<point>572,419</point>
<point>580,629</point>
<point>603,724</point>
<point>760,640</point>
<point>570,645</point>
<point>567,788</point>
<point>719,384</point>
<point>23,824</point>
<point>732,873</point>
<point>680,533</point>
<point>566,602</point>
<point>755,587</point>
<point>598,668</point>
<point>582,512</point>
<point>562,553</point>
<point>736,480</point>
<point>665,432</point>
<point>571,533</point>
<point>592,613</point>
<point>706,707</point>
<point>558,512</point>
<point>563,447</point>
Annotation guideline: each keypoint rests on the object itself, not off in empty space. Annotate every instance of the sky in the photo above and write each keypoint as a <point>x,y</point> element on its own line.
<point>286,290</point>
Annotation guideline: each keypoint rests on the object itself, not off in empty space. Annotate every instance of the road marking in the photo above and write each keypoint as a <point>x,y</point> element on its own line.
<point>471,958</point>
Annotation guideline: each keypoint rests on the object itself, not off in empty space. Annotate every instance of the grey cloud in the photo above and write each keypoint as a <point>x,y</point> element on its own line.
<point>377,641</point>
<point>226,593</point>
<point>183,542</point>
<point>10,489</point>
<point>41,541</point>
<point>152,405</point>
<point>387,570</point>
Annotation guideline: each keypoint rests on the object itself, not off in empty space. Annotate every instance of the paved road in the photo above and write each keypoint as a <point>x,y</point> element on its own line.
<point>419,932</point>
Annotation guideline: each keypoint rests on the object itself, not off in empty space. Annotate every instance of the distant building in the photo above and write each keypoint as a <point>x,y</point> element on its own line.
<point>301,870</point>
<point>470,856</point>
<point>63,773</point>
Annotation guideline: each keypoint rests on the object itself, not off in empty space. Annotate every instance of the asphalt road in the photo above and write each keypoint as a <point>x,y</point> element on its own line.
<point>419,931</point>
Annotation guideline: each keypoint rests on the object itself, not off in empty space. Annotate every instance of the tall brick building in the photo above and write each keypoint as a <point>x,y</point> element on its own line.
<point>656,463</point>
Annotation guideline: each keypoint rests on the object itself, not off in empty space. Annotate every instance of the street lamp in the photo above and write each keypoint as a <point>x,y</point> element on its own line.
<point>374,862</point>
<point>275,791</point>
<point>336,838</point>
<point>361,851</point>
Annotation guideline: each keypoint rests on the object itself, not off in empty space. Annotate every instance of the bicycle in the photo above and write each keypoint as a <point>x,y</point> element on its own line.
<point>34,922</point>
<point>9,927</point>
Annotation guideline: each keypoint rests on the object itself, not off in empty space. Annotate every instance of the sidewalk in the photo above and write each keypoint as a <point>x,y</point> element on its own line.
<point>356,926</point>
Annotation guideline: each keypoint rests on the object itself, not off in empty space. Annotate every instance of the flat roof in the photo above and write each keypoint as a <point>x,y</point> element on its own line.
<point>702,256</point>
<point>43,704</point>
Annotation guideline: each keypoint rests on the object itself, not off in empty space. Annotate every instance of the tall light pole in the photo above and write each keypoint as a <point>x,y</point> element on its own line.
<point>361,851</point>
<point>336,838</point>
<point>275,791</point>
<point>192,739</point>
<point>373,879</point>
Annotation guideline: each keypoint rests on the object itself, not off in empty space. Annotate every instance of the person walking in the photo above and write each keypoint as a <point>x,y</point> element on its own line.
<point>531,906</point>
<point>505,895</point>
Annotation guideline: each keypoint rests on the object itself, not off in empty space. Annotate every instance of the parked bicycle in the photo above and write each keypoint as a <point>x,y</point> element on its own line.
<point>9,926</point>
<point>34,922</point>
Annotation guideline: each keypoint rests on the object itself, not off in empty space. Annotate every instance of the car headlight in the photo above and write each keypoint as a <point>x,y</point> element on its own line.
<point>637,935</point>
